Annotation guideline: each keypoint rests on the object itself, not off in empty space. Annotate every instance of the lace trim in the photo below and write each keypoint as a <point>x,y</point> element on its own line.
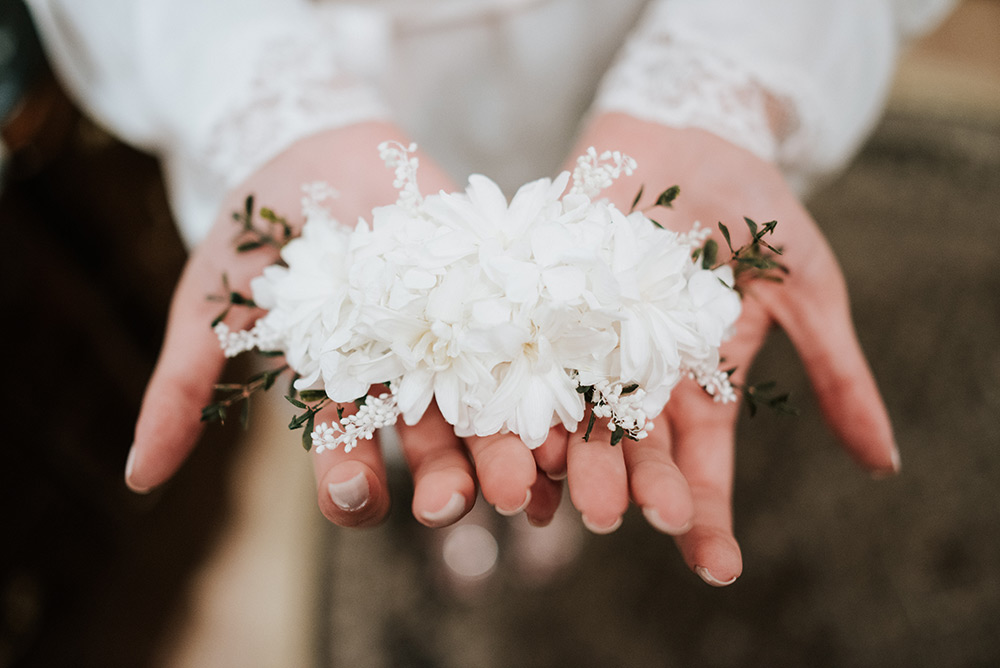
<point>297,82</point>
<point>680,84</point>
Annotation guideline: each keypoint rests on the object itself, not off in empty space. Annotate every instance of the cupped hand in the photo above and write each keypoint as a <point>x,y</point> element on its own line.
<point>352,487</point>
<point>681,475</point>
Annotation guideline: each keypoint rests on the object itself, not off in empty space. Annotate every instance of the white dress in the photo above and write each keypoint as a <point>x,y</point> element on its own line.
<point>217,87</point>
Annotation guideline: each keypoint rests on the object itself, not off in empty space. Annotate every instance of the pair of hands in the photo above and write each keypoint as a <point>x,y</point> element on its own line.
<point>681,475</point>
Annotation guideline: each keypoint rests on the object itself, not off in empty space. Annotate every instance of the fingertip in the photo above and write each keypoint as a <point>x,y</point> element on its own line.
<point>895,465</point>
<point>505,469</point>
<point>453,510</point>
<point>546,494</point>
<point>550,456</point>
<point>602,526</point>
<point>712,554</point>
<point>514,510</point>
<point>132,481</point>
<point>352,495</point>
<point>442,497</point>
<point>711,579</point>
<point>673,525</point>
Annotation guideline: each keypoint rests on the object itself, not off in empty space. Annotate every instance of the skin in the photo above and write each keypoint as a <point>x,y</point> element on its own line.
<point>681,476</point>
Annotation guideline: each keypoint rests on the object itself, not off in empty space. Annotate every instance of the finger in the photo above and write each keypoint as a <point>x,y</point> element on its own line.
<point>703,433</point>
<point>598,486</point>
<point>352,487</point>
<point>815,313</point>
<point>703,451</point>
<point>505,469</point>
<point>656,484</point>
<point>190,362</point>
<point>546,494</point>
<point>550,456</point>
<point>444,489</point>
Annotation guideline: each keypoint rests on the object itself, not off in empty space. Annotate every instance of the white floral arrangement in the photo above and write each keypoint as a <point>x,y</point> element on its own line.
<point>514,316</point>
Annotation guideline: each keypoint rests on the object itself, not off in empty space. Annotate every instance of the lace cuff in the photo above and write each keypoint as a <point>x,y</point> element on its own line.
<point>304,74</point>
<point>685,85</point>
<point>297,82</point>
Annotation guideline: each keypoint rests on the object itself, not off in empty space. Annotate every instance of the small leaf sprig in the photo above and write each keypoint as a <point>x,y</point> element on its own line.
<point>238,394</point>
<point>753,260</point>
<point>231,298</point>
<point>310,402</point>
<point>274,232</point>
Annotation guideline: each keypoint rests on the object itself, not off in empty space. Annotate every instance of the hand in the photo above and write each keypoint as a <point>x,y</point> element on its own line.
<point>352,488</point>
<point>681,475</point>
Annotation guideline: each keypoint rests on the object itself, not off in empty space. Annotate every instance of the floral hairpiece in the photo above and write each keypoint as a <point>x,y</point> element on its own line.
<point>513,316</point>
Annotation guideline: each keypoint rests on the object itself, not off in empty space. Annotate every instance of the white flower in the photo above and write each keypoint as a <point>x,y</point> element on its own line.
<point>504,312</point>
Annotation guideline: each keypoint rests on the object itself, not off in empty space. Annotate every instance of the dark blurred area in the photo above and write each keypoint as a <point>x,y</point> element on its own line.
<point>840,570</point>
<point>89,572</point>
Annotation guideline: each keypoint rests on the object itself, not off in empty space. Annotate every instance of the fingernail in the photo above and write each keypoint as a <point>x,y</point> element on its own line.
<point>598,529</point>
<point>448,514</point>
<point>897,465</point>
<point>539,522</point>
<point>515,511</point>
<point>129,468</point>
<point>653,517</point>
<point>350,495</point>
<point>558,475</point>
<point>711,579</point>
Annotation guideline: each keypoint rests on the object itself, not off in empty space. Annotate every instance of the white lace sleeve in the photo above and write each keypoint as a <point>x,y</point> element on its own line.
<point>214,91</point>
<point>797,82</point>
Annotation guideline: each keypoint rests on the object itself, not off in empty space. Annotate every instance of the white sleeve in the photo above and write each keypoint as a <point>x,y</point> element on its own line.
<point>215,89</point>
<point>798,82</point>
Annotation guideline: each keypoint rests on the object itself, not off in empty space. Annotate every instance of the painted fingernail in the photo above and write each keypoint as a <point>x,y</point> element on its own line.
<point>129,469</point>
<point>515,511</point>
<point>448,514</point>
<point>351,495</point>
<point>599,529</point>
<point>653,517</point>
<point>711,579</point>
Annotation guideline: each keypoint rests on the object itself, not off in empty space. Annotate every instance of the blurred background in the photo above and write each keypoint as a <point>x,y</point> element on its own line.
<point>231,564</point>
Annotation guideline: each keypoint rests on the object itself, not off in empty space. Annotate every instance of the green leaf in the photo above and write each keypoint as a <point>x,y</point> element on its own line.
<point>590,425</point>
<point>751,225</point>
<point>245,414</point>
<point>657,224</point>
<point>617,435</point>
<point>638,196</point>
<point>237,299</point>
<point>668,196</point>
<point>219,318</point>
<point>295,402</point>
<point>725,235</point>
<point>307,438</point>
<point>710,254</point>
<point>270,377</point>
<point>629,389</point>
<point>310,396</point>
<point>247,246</point>
<point>228,387</point>
<point>270,353</point>
<point>211,413</point>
